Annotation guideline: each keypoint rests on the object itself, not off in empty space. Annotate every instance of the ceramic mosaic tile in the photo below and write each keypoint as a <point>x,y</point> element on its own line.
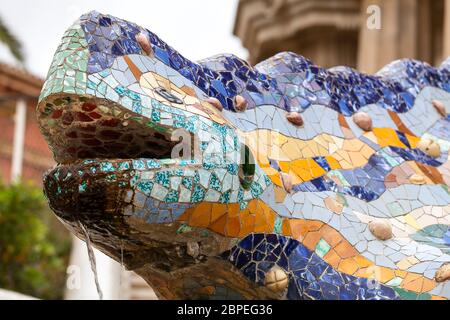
<point>284,180</point>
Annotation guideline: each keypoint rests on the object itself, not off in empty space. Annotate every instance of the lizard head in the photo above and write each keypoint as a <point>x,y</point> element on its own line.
<point>139,142</point>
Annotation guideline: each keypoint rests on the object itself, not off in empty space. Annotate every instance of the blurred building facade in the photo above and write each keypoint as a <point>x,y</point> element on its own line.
<point>335,32</point>
<point>23,150</point>
<point>24,154</point>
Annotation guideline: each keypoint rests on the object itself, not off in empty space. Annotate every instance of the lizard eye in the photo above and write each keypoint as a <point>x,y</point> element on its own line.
<point>168,96</point>
<point>246,167</point>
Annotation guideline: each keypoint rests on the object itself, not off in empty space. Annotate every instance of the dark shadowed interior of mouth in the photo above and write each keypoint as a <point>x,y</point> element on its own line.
<point>80,128</point>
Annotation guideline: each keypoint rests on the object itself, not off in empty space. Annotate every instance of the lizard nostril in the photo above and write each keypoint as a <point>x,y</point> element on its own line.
<point>168,96</point>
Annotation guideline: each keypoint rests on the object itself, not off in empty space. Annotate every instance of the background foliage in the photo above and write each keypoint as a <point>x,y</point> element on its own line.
<point>34,247</point>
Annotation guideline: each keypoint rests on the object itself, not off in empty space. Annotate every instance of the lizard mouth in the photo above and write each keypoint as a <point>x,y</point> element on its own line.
<point>100,147</point>
<point>78,127</point>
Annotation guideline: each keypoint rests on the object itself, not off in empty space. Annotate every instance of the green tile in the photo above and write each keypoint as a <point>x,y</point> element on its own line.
<point>322,248</point>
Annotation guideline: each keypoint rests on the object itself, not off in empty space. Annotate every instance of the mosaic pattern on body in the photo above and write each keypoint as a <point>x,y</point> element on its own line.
<point>348,195</point>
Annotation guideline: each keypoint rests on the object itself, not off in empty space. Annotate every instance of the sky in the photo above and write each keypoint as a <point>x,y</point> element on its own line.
<point>195,28</point>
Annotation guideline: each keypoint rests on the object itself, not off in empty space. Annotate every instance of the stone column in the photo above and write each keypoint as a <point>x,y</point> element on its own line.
<point>20,120</point>
<point>446,33</point>
<point>80,283</point>
<point>396,38</point>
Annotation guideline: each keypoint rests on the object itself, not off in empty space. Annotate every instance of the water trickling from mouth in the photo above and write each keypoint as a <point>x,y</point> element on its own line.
<point>91,259</point>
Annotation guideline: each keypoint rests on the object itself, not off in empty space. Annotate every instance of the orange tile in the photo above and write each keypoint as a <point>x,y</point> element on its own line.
<point>218,210</point>
<point>285,166</point>
<point>400,273</point>
<point>261,223</point>
<point>274,176</point>
<point>286,227</point>
<point>348,266</point>
<point>219,225</point>
<point>233,209</point>
<point>413,285</point>
<point>431,172</point>
<point>233,227</point>
<point>385,274</point>
<point>247,224</point>
<point>345,250</point>
<point>188,90</point>
<point>269,215</point>
<point>332,258</point>
<point>311,239</point>
<point>185,216</point>
<point>300,228</point>
<point>133,68</point>
<point>252,206</point>
<point>413,140</point>
<point>428,285</point>
<point>342,121</point>
<point>364,273</point>
<point>438,298</point>
<point>387,137</point>
<point>201,217</point>
<point>398,122</point>
<point>333,163</point>
<point>363,262</point>
<point>331,235</point>
<point>297,230</point>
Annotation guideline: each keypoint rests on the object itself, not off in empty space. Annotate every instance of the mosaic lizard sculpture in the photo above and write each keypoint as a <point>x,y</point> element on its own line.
<point>291,181</point>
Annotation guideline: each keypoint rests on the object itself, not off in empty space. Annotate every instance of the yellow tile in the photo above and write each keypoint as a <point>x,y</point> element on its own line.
<point>387,137</point>
<point>413,140</point>
<point>409,219</point>
<point>400,273</point>
<point>333,163</point>
<point>362,261</point>
<point>404,264</point>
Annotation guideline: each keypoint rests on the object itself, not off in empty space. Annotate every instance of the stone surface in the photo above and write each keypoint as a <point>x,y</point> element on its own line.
<point>215,103</point>
<point>429,147</point>
<point>439,106</point>
<point>143,41</point>
<point>381,229</point>
<point>443,274</point>
<point>276,279</point>
<point>295,118</point>
<point>240,103</point>
<point>363,120</point>
<point>287,182</point>
<point>192,249</point>
<point>417,178</point>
